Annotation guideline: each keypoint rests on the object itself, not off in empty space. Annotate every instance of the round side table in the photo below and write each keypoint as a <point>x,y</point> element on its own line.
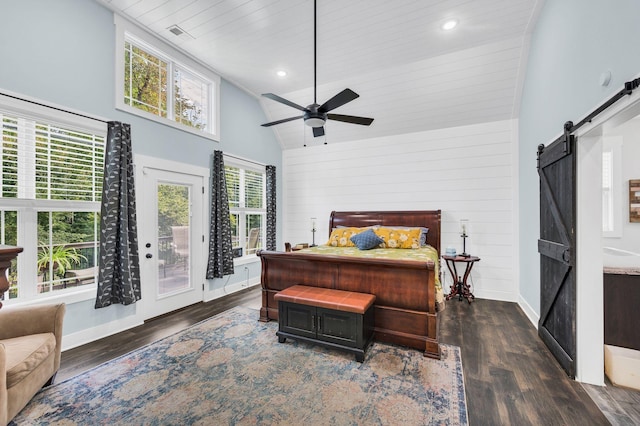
<point>460,287</point>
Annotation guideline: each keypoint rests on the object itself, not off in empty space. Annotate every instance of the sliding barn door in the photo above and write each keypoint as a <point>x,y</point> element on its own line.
<point>557,248</point>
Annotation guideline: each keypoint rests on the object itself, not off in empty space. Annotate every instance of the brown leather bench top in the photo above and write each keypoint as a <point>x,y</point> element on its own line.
<point>339,300</point>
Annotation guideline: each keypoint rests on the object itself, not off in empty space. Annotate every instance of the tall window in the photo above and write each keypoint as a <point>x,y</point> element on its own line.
<point>607,191</point>
<point>50,189</point>
<point>247,206</point>
<point>155,85</point>
<point>612,187</point>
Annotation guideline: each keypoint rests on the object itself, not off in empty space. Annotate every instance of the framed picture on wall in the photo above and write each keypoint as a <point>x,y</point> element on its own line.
<point>634,200</point>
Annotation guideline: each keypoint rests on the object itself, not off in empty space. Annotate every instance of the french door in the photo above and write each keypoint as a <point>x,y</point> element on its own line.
<point>171,235</point>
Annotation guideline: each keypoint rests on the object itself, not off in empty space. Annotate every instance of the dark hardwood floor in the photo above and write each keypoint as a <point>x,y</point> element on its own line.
<point>510,377</point>
<point>82,358</point>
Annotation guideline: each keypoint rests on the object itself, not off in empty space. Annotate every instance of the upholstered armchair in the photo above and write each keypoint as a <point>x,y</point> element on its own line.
<point>30,347</point>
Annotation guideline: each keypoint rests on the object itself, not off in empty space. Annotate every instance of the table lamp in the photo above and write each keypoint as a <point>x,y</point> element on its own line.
<point>313,232</point>
<point>464,228</point>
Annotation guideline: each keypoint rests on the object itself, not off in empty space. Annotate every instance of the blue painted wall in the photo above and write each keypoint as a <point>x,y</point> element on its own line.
<point>574,42</point>
<point>63,52</point>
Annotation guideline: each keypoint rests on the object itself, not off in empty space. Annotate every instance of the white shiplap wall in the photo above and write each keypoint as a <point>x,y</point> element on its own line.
<point>468,172</point>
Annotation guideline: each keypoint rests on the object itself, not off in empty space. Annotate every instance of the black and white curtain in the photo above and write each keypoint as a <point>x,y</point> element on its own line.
<point>271,207</point>
<point>119,268</point>
<point>220,247</point>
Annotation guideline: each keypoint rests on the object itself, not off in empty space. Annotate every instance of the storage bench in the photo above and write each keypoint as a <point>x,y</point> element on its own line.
<point>334,318</point>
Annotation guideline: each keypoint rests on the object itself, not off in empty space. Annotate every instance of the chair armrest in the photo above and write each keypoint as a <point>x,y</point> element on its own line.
<point>26,320</point>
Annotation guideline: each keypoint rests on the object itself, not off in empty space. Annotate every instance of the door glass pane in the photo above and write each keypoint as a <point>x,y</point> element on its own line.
<point>173,238</point>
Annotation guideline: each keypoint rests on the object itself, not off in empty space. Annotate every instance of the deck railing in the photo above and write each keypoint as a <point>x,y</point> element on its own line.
<point>85,272</point>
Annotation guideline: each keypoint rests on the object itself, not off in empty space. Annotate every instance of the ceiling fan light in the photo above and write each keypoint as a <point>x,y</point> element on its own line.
<point>314,122</point>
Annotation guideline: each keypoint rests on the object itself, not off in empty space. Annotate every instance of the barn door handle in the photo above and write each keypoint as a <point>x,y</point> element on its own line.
<point>566,255</point>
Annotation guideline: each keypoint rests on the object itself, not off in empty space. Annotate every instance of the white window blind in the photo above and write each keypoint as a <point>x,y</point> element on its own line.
<point>50,190</point>
<point>255,190</point>
<point>9,156</point>
<point>47,162</point>
<point>232,176</point>
<point>246,186</point>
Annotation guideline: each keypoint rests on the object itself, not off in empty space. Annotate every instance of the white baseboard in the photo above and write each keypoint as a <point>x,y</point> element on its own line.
<point>73,340</point>
<point>231,288</point>
<point>529,312</point>
<point>502,296</point>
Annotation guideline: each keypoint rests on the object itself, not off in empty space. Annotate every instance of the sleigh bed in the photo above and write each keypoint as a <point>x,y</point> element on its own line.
<point>405,290</point>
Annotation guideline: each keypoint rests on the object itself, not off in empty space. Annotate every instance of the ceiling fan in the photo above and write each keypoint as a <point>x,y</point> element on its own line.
<point>316,115</point>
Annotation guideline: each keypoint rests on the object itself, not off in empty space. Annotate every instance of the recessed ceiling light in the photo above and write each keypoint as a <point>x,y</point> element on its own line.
<point>281,73</point>
<point>450,24</point>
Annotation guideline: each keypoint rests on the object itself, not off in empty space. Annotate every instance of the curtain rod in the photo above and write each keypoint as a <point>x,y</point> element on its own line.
<point>53,107</point>
<point>243,159</point>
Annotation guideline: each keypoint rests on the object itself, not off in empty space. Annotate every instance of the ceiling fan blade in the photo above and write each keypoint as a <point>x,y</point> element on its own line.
<point>350,119</point>
<point>318,131</point>
<point>283,101</point>
<point>347,95</point>
<point>284,120</point>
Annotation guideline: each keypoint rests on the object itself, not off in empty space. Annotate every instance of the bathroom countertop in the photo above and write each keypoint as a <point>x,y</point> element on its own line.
<point>622,270</point>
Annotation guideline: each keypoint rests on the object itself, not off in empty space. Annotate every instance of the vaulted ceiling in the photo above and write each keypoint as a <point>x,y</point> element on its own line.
<point>411,74</point>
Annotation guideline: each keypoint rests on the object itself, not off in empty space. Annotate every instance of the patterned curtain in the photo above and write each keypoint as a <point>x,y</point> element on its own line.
<point>119,269</point>
<point>271,207</point>
<point>220,249</point>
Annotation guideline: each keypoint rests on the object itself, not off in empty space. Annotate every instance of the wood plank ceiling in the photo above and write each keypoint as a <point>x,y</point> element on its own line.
<point>411,74</point>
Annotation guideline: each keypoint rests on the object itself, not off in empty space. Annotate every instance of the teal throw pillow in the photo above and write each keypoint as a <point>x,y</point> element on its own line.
<point>366,240</point>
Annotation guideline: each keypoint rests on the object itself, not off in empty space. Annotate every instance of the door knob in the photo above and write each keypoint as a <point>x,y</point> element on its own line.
<point>149,256</point>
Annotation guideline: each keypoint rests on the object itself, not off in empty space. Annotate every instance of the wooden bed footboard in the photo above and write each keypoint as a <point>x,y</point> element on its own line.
<point>405,309</point>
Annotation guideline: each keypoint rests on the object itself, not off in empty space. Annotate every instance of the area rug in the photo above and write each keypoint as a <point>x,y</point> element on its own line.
<point>230,369</point>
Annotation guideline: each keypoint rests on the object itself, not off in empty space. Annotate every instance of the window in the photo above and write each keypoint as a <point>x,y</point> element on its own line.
<point>159,83</point>
<point>145,80</point>
<point>50,187</point>
<point>607,191</point>
<point>9,236</point>
<point>246,188</point>
<point>612,187</point>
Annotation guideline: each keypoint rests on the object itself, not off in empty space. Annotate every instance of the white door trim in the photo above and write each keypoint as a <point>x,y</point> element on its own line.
<point>589,261</point>
<point>143,164</point>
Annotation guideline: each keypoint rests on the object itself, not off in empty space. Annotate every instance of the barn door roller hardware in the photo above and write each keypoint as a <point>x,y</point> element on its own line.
<point>570,128</point>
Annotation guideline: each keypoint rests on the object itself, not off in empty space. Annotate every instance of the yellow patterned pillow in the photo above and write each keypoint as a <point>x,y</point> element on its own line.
<point>399,238</point>
<point>341,237</point>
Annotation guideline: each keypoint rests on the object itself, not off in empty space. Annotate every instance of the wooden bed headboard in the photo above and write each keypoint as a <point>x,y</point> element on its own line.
<point>426,218</point>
